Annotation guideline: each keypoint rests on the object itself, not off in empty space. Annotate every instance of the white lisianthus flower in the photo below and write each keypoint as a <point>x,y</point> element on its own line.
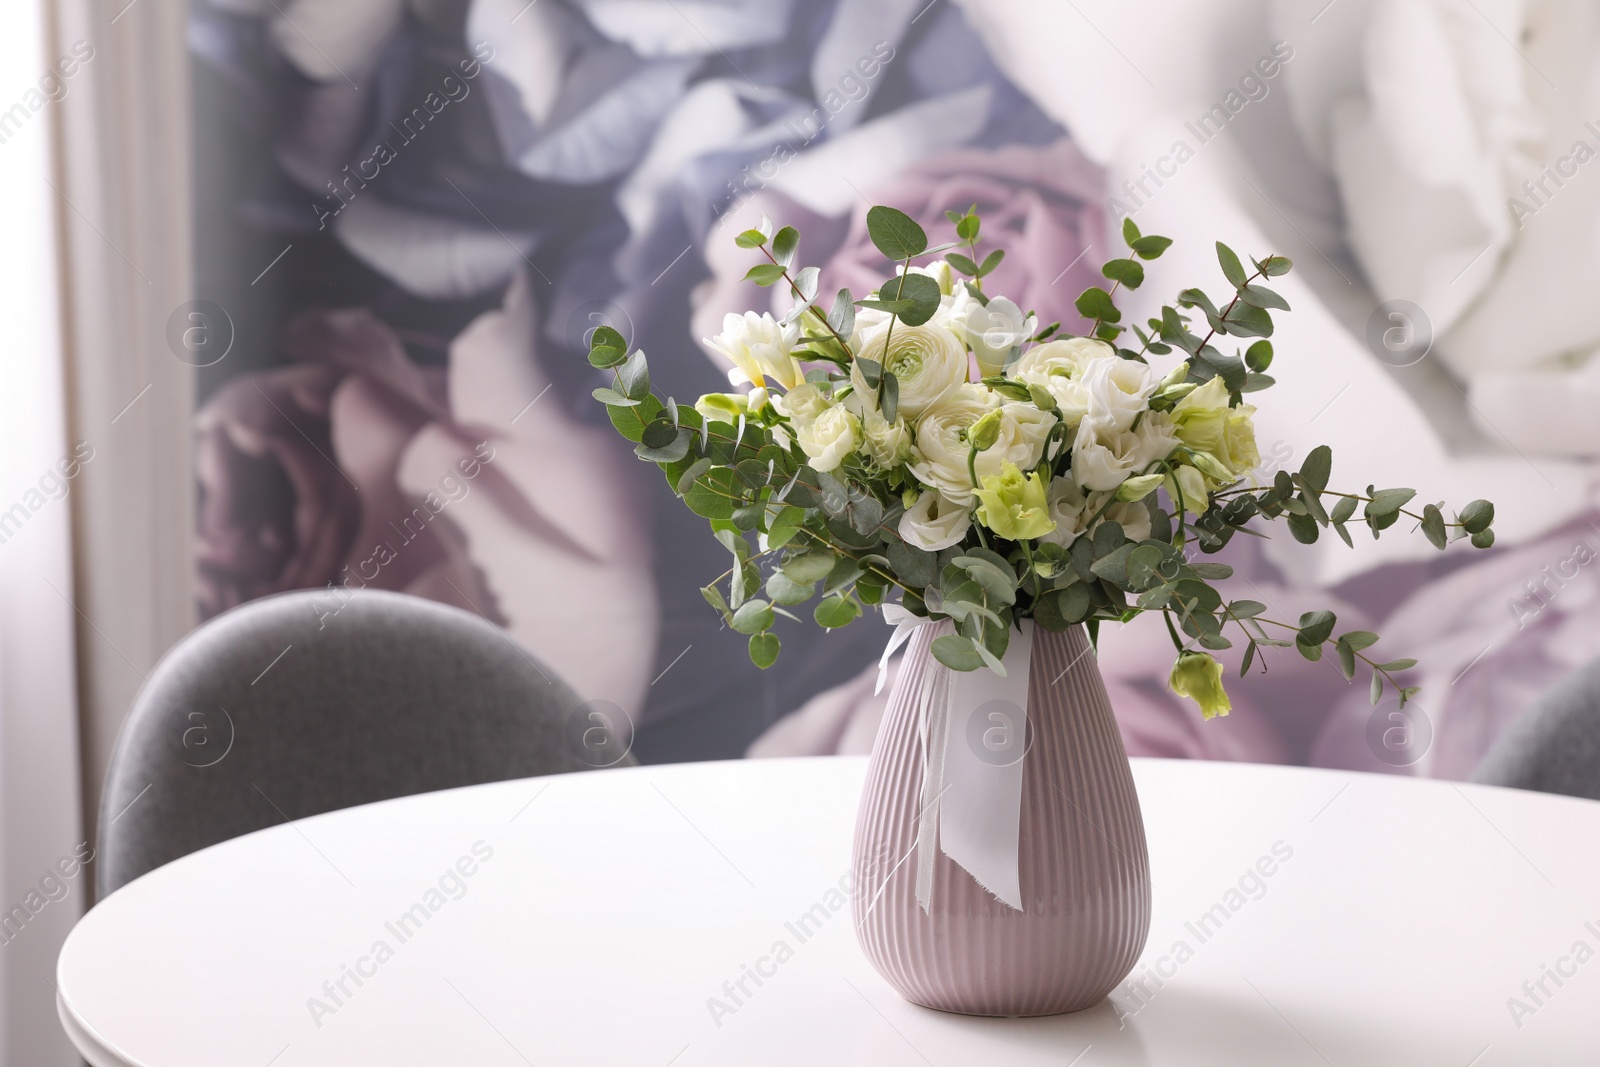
<point>927,362</point>
<point>1077,514</point>
<point>1134,518</point>
<point>995,332</point>
<point>1068,506</point>
<point>1103,457</point>
<point>829,437</point>
<point>1119,389</point>
<point>758,346</point>
<point>940,457</point>
<point>934,523</point>
<point>1060,367</point>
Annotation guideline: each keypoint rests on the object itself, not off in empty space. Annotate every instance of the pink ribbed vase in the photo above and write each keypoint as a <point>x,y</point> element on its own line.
<point>1084,869</point>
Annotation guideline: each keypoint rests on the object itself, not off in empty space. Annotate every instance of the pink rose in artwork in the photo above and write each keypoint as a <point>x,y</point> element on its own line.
<point>1042,204</point>
<point>355,466</point>
<point>296,464</point>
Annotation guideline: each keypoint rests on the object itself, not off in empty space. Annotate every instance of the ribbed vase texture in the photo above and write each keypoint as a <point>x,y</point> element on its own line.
<point>1084,869</point>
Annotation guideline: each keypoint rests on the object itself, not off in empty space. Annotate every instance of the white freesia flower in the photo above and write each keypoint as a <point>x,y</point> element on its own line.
<point>995,332</point>
<point>934,523</point>
<point>1077,513</point>
<point>927,362</point>
<point>1103,456</point>
<point>758,346</point>
<point>829,438</point>
<point>1118,389</point>
<point>940,271</point>
<point>1060,366</point>
<point>940,457</point>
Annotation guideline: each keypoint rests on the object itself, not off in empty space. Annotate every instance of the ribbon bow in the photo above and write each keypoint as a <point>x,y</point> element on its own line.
<point>973,728</point>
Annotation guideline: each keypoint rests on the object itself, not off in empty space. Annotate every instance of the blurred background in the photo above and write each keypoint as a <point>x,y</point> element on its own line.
<point>298,294</point>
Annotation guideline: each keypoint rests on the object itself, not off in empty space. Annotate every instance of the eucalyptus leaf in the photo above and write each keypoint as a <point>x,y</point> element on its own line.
<point>764,649</point>
<point>842,316</point>
<point>784,244</point>
<point>1127,272</point>
<point>956,652</point>
<point>752,617</point>
<point>1477,516</point>
<point>811,567</point>
<point>1433,527</point>
<point>894,233</point>
<point>764,273</point>
<point>835,612</point>
<point>1317,626</point>
<point>922,291</point>
<point>1232,269</point>
<point>1387,502</point>
<point>785,590</point>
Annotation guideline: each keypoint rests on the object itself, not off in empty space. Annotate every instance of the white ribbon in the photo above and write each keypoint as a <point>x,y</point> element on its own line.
<point>973,727</point>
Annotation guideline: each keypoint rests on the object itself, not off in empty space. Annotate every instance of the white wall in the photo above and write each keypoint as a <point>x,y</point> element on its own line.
<point>40,817</point>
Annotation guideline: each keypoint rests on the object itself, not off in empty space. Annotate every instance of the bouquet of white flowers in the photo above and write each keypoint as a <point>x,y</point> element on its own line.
<point>931,444</point>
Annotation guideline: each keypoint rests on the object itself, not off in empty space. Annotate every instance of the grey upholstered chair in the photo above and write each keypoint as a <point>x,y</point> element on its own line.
<point>1554,747</point>
<point>281,709</point>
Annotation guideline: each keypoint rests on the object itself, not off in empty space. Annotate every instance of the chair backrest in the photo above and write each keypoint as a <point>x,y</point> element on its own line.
<point>1554,746</point>
<point>304,702</point>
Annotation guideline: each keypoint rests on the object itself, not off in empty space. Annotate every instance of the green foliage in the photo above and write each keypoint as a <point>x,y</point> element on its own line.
<point>895,234</point>
<point>764,273</point>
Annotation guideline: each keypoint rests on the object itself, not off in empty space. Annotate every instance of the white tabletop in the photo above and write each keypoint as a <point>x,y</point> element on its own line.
<point>1398,918</point>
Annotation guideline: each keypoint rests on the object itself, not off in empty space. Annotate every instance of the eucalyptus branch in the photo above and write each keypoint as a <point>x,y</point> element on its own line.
<point>1377,668</point>
<point>1238,293</point>
<point>795,289</point>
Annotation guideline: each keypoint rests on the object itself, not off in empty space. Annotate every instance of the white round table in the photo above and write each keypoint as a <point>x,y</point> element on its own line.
<point>693,915</point>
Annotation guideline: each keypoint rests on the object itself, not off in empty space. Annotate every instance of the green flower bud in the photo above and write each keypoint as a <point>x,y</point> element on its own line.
<point>1199,677</point>
<point>1138,488</point>
<point>985,432</point>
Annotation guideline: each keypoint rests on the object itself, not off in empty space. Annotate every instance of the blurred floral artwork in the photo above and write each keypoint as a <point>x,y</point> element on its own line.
<point>425,208</point>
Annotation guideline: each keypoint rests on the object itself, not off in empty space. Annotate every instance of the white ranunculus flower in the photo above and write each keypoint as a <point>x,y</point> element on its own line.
<point>995,332</point>
<point>870,324</point>
<point>1060,366</point>
<point>934,523</point>
<point>1103,456</point>
<point>758,346</point>
<point>829,437</point>
<point>927,362</point>
<point>940,457</point>
<point>887,444</point>
<point>1119,389</point>
<point>1077,513</point>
